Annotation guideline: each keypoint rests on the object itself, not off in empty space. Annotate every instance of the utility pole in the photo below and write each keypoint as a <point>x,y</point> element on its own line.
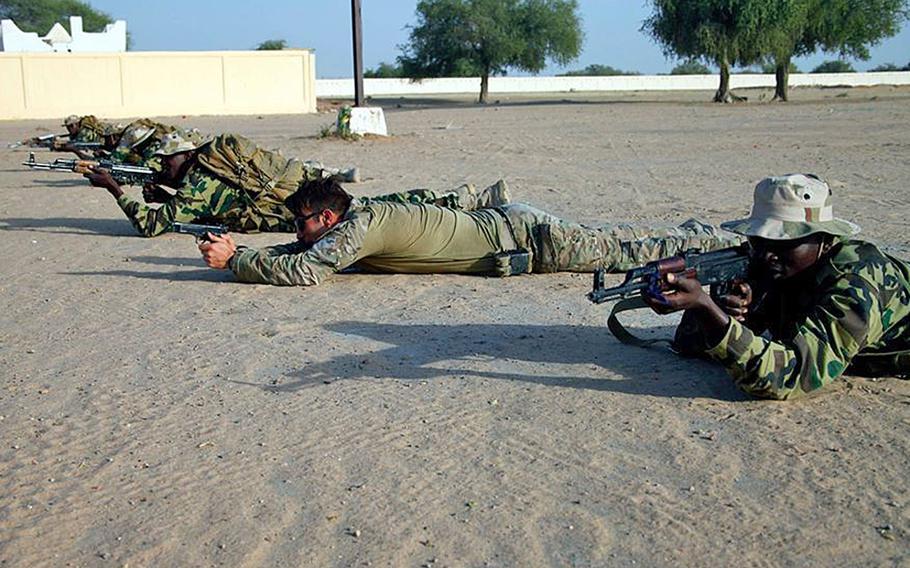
<point>358,53</point>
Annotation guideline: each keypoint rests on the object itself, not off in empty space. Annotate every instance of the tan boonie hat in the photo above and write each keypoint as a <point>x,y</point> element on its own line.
<point>113,129</point>
<point>72,119</point>
<point>791,207</point>
<point>180,141</point>
<point>135,136</point>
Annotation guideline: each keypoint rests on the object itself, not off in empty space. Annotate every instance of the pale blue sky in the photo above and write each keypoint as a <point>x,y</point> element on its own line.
<point>611,31</point>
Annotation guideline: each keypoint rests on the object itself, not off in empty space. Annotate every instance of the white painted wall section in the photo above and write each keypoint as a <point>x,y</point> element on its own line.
<point>12,39</point>
<point>112,39</point>
<point>471,85</point>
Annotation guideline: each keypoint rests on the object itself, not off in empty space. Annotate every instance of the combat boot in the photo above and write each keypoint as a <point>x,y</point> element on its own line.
<point>494,196</point>
<point>351,175</point>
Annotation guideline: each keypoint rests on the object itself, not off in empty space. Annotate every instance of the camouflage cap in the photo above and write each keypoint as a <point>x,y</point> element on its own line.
<point>113,129</point>
<point>791,207</point>
<point>180,141</point>
<point>72,119</point>
<point>134,136</point>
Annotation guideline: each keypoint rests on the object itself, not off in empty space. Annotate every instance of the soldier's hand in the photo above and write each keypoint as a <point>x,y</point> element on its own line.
<point>100,177</point>
<point>679,294</point>
<point>60,145</point>
<point>218,250</point>
<point>687,294</point>
<point>153,193</point>
<point>736,303</point>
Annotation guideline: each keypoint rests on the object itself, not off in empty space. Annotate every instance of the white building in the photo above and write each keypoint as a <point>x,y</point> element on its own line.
<point>112,39</point>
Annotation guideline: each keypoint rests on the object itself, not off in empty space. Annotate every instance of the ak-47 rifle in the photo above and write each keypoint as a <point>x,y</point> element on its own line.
<point>717,269</point>
<point>49,141</point>
<point>201,232</point>
<point>124,174</point>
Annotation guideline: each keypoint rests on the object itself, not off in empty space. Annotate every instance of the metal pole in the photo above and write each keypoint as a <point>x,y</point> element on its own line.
<point>358,56</point>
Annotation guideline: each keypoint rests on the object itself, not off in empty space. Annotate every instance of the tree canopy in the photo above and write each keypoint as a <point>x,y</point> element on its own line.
<point>720,32</point>
<point>272,45</point>
<point>465,38</point>
<point>834,66</point>
<point>691,67</point>
<point>598,70</point>
<point>845,27</point>
<point>384,71</point>
<point>745,32</point>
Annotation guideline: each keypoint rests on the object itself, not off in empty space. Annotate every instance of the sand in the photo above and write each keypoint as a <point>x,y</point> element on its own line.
<point>154,412</point>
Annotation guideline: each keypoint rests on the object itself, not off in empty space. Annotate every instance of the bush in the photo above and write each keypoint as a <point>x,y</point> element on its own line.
<point>691,67</point>
<point>836,66</point>
<point>885,67</point>
<point>770,68</point>
<point>384,71</point>
<point>272,45</point>
<point>597,70</point>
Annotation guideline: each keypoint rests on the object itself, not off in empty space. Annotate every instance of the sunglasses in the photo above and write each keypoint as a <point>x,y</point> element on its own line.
<point>301,220</point>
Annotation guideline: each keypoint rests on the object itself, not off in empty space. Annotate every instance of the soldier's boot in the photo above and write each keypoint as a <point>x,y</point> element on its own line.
<point>494,196</point>
<point>465,197</point>
<point>351,175</point>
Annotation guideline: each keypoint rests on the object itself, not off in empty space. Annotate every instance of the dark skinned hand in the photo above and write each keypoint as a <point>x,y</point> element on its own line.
<point>736,303</point>
<point>153,193</point>
<point>687,294</point>
<point>100,177</point>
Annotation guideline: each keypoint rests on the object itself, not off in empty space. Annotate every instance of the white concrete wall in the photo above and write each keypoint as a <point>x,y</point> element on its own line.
<point>113,38</point>
<point>133,84</point>
<point>471,85</point>
<point>14,40</point>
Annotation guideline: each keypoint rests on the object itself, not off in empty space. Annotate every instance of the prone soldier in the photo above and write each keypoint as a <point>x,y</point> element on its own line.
<point>232,181</point>
<point>827,302</point>
<point>335,231</point>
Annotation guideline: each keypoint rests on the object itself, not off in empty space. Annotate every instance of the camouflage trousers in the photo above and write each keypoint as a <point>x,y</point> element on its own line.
<point>455,199</point>
<point>560,245</point>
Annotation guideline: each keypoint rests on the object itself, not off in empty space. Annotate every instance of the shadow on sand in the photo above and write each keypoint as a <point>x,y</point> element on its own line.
<point>70,225</point>
<point>201,275</point>
<point>427,351</point>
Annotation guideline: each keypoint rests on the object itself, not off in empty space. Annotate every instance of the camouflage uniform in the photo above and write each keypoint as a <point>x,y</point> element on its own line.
<point>90,128</point>
<point>204,197</point>
<point>139,142</point>
<point>851,312</point>
<point>392,237</point>
<point>851,309</point>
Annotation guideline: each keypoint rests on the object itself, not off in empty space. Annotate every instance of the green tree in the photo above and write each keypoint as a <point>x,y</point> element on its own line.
<point>770,68</point>
<point>885,67</point>
<point>845,27</point>
<point>721,32</point>
<point>691,67</point>
<point>598,70</point>
<point>834,66</point>
<point>464,38</point>
<point>272,45</point>
<point>384,71</point>
<point>39,16</point>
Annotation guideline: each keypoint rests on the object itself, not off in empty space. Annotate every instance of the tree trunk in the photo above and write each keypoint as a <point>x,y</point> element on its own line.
<point>484,87</point>
<point>723,94</point>
<point>781,79</point>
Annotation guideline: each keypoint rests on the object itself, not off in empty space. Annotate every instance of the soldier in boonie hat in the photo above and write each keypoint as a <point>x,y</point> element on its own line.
<point>132,137</point>
<point>180,141</point>
<point>791,207</point>
<point>816,303</point>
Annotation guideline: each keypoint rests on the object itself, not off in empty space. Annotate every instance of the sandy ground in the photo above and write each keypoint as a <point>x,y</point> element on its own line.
<point>155,413</point>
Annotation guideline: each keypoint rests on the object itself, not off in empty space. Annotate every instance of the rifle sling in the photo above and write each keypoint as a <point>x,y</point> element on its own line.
<point>620,332</point>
